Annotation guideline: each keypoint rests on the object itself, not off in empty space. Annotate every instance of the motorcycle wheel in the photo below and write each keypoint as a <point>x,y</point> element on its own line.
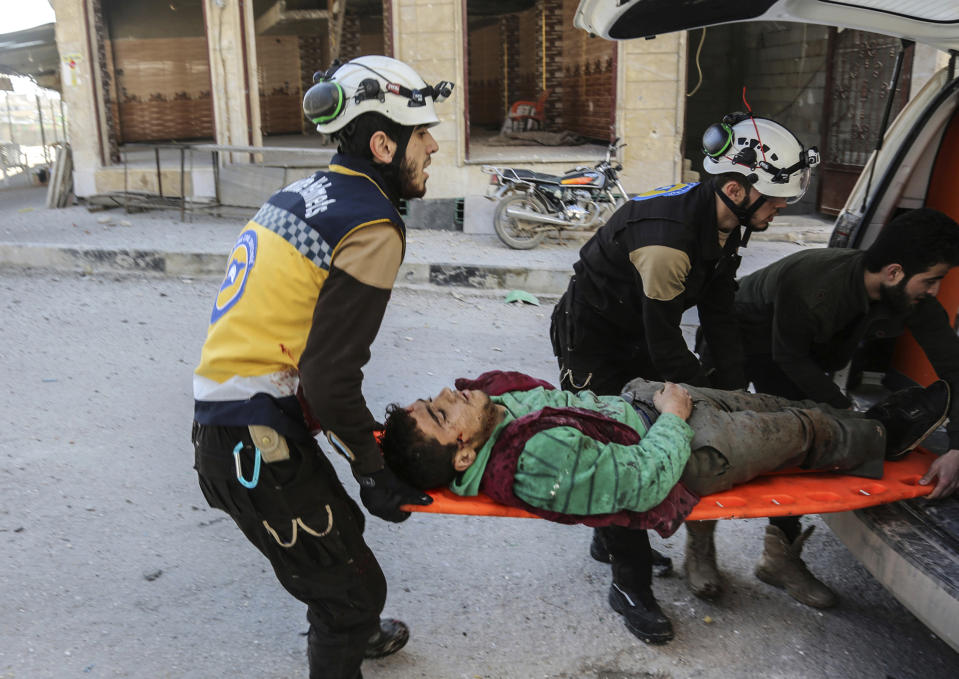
<point>518,234</point>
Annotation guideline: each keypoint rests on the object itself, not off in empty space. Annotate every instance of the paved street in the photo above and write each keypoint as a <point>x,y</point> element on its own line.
<point>112,565</point>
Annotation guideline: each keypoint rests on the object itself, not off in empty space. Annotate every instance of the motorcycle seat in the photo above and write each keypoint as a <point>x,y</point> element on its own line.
<point>540,177</point>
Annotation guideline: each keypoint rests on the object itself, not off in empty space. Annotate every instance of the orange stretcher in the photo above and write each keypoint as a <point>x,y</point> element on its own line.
<point>787,493</point>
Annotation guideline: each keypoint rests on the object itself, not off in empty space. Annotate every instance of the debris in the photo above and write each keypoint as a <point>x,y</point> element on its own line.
<point>708,620</point>
<point>153,575</point>
<point>521,296</point>
<point>60,186</point>
<point>457,296</point>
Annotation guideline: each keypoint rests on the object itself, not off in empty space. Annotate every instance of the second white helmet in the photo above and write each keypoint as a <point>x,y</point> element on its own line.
<point>768,155</point>
<point>375,84</point>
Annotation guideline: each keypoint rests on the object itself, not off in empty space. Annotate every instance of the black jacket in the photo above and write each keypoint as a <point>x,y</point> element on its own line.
<point>659,255</point>
<point>810,311</point>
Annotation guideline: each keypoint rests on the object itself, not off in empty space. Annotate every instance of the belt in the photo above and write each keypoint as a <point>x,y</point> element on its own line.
<point>647,413</point>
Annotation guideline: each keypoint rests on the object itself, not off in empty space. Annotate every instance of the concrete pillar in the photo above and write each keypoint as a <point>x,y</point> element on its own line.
<point>82,91</point>
<point>651,110</point>
<point>428,35</point>
<point>236,98</point>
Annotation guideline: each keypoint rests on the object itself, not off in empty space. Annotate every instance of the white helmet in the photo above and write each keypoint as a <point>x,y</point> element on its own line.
<point>372,84</point>
<point>769,156</point>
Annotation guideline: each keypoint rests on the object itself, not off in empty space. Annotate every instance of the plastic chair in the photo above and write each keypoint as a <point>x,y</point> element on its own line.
<point>528,114</point>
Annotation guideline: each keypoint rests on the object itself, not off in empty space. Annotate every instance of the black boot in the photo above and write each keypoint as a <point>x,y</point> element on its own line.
<point>631,593</point>
<point>388,639</point>
<point>642,615</point>
<point>910,415</point>
<point>662,564</point>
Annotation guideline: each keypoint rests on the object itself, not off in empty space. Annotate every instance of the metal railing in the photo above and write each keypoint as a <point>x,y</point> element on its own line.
<point>33,123</point>
<point>185,153</point>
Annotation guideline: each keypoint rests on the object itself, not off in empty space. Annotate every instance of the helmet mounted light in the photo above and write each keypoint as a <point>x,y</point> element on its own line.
<point>756,148</point>
<point>338,97</point>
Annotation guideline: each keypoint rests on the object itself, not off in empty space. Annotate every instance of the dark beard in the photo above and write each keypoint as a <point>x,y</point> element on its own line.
<point>408,187</point>
<point>894,296</point>
<point>400,180</point>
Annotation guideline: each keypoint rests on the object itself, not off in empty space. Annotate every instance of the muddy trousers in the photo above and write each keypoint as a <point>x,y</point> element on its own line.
<point>301,518</point>
<point>738,436</point>
<point>767,377</point>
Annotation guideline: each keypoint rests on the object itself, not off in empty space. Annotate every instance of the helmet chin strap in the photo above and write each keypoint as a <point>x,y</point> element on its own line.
<point>744,214</point>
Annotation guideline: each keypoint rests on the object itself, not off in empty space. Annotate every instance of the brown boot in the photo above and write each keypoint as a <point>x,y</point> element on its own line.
<point>780,566</point>
<point>702,576</point>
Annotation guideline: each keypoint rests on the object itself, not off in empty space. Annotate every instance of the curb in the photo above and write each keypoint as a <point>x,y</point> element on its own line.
<point>486,277</point>
<point>798,237</point>
<point>98,260</point>
<point>154,262</point>
<point>548,281</point>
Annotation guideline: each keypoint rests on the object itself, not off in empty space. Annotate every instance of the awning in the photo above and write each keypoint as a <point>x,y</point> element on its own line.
<point>32,52</point>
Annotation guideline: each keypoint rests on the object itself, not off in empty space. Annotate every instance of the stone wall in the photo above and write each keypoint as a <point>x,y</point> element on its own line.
<point>82,93</point>
<point>786,82</point>
<point>588,82</point>
<point>429,36</point>
<point>650,103</point>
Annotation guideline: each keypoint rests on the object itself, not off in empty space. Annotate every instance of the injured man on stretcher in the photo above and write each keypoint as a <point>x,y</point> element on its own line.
<point>640,460</point>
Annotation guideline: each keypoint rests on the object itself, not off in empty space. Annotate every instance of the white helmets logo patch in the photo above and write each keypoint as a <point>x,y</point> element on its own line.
<point>238,270</point>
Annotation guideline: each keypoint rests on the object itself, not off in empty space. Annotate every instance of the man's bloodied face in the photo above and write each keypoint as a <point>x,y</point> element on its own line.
<point>456,417</point>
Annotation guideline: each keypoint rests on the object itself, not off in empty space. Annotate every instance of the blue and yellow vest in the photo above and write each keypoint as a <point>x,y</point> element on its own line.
<point>263,311</point>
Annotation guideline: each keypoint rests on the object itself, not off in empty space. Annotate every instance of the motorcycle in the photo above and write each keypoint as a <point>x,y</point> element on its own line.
<point>531,203</point>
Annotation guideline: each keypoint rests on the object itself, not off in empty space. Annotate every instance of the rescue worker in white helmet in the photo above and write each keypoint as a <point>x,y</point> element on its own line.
<point>661,253</point>
<point>305,290</point>
<point>767,155</point>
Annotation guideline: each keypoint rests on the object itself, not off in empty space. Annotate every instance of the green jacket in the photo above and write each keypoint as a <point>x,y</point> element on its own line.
<point>563,470</point>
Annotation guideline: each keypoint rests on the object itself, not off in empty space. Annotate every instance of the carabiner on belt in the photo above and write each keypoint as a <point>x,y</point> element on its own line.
<point>251,484</point>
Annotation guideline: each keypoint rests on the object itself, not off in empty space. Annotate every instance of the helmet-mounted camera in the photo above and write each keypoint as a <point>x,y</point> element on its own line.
<point>759,148</point>
<point>336,91</point>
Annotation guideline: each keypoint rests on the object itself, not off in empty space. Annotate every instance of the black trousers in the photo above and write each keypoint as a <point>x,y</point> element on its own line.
<point>301,518</point>
<point>607,373</point>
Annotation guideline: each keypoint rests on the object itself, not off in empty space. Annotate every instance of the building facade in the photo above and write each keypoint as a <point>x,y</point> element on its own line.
<point>231,73</point>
